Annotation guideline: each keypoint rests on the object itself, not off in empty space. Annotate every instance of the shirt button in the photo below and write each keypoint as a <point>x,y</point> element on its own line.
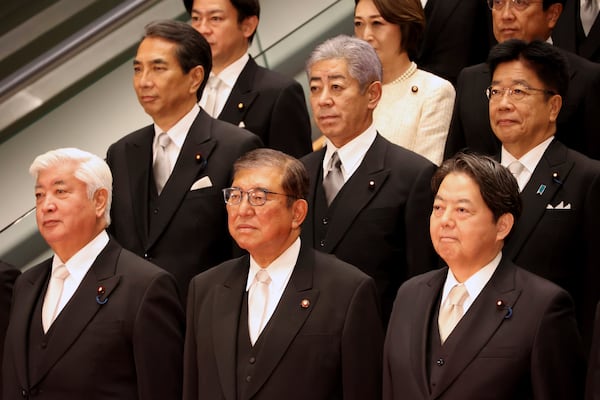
<point>252,360</point>
<point>322,243</point>
<point>440,362</point>
<point>155,211</point>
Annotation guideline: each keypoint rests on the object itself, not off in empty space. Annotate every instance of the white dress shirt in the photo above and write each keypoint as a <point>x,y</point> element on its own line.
<point>529,160</point>
<point>228,77</point>
<point>351,154</point>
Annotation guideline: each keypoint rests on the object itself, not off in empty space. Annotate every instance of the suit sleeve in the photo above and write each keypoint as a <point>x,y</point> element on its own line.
<point>557,361</point>
<point>158,341</point>
<point>362,345</point>
<point>289,129</point>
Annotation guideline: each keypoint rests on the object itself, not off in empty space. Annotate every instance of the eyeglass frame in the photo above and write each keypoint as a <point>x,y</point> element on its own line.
<point>511,92</point>
<point>513,4</point>
<point>248,195</point>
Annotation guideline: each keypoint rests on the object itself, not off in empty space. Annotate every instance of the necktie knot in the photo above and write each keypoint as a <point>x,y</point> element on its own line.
<point>453,311</point>
<point>334,180</point>
<point>457,296</point>
<point>263,277</point>
<point>164,140</point>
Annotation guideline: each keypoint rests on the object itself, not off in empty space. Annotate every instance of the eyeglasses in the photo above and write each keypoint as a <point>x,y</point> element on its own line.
<point>518,5</point>
<point>519,93</point>
<point>256,197</point>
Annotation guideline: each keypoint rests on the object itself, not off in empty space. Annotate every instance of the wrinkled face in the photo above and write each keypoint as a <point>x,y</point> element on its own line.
<point>341,110</point>
<point>264,231</point>
<point>162,88</point>
<point>462,227</point>
<point>370,26</point>
<point>530,24</point>
<point>217,21</point>
<point>67,219</point>
<point>522,124</point>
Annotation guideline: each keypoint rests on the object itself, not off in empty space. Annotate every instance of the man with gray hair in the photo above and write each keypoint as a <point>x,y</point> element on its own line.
<point>369,199</point>
<point>95,318</point>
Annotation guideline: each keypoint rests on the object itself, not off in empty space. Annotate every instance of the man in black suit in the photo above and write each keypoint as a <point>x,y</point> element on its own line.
<point>482,328</point>
<point>449,43</point>
<point>578,123</point>
<point>308,329</point>
<point>167,205</point>
<point>239,91</point>
<point>8,275</point>
<point>557,235</point>
<point>593,377</point>
<point>95,320</point>
<point>378,218</point>
<point>571,35</point>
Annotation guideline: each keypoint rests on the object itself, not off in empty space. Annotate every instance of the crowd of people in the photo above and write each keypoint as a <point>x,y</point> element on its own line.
<point>439,244</point>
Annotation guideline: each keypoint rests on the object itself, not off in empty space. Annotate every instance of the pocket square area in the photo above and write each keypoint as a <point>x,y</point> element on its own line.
<point>559,206</point>
<point>202,183</point>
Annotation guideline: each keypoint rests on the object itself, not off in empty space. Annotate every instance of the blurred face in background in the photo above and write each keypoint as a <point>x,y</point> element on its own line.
<point>370,26</point>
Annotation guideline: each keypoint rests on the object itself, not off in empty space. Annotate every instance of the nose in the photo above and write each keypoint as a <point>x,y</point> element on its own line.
<point>142,79</point>
<point>47,204</point>
<point>245,208</point>
<point>202,26</point>
<point>507,11</point>
<point>325,97</point>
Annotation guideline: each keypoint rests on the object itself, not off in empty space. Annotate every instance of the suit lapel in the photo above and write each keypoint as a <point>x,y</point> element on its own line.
<point>32,290</point>
<point>314,167</point>
<point>192,160</point>
<point>227,308</point>
<point>241,97</point>
<point>426,299</point>
<point>357,192</point>
<point>480,323</point>
<point>538,193</point>
<point>287,320</point>
<point>139,163</point>
<point>82,307</point>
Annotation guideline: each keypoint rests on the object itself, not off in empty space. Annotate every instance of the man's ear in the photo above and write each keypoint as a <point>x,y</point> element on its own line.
<point>249,25</point>
<point>300,209</point>
<point>374,92</point>
<point>504,225</point>
<point>196,77</point>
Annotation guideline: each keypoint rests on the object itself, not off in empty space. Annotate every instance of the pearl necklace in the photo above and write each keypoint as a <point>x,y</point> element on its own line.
<point>406,74</point>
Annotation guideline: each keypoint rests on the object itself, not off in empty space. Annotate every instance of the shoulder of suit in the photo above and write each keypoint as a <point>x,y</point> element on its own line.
<point>330,265</point>
<point>267,79</point>
<point>136,136</point>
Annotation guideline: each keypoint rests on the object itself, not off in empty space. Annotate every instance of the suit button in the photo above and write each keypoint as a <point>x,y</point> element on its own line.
<point>248,379</point>
<point>322,243</point>
<point>44,345</point>
<point>252,360</point>
<point>155,211</point>
<point>325,221</point>
<point>440,362</point>
<point>24,393</point>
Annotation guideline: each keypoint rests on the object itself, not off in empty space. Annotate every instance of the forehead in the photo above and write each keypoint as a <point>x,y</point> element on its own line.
<point>330,69</point>
<point>458,186</point>
<point>153,49</point>
<point>366,9</point>
<point>264,177</point>
<point>57,174</point>
<point>514,72</point>
<point>213,6</point>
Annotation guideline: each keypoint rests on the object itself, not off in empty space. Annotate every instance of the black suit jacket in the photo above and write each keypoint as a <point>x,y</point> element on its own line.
<point>273,107</point>
<point>593,377</point>
<point>577,126</point>
<point>568,33</point>
<point>533,354</point>
<point>131,347</point>
<point>186,232</point>
<point>8,275</point>
<point>449,43</point>
<point>380,218</point>
<point>329,350</point>
<point>561,244</point>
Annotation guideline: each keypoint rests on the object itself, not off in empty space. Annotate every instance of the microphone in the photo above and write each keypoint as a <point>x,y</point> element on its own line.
<point>501,306</point>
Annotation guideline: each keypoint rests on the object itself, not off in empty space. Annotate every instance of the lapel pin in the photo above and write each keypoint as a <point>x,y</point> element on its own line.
<point>541,189</point>
<point>101,292</point>
<point>414,89</point>
<point>305,303</point>
<point>200,160</point>
<point>500,305</point>
<point>372,185</point>
<point>240,106</point>
<point>556,178</point>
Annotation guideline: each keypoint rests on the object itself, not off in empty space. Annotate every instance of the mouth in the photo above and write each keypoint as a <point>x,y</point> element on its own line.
<point>147,99</point>
<point>50,223</point>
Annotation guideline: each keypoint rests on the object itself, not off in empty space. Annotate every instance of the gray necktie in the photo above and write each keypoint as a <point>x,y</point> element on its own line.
<point>334,180</point>
<point>588,12</point>
<point>162,165</point>
<point>516,168</point>
<point>452,311</point>
<point>212,92</point>
<point>258,300</point>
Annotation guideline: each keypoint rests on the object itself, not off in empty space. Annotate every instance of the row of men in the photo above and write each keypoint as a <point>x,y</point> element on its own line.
<point>119,321</point>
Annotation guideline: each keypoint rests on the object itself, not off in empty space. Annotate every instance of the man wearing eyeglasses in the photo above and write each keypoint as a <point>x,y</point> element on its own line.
<point>557,235</point>
<point>578,123</point>
<point>285,321</point>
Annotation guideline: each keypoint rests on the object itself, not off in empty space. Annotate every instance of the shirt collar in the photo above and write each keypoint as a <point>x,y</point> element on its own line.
<point>530,159</point>
<point>79,264</point>
<point>231,73</point>
<point>352,153</point>
<point>475,283</point>
<point>280,269</point>
<point>180,130</point>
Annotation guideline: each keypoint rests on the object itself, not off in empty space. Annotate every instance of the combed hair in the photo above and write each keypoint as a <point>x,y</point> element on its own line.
<point>91,170</point>
<point>363,63</point>
<point>548,63</point>
<point>192,49</point>
<point>294,179</point>
<point>497,185</point>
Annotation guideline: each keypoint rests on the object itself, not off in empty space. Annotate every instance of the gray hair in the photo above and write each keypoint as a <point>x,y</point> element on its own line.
<point>363,63</point>
<point>91,170</point>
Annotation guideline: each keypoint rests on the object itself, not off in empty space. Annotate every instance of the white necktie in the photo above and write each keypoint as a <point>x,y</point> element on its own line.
<point>517,168</point>
<point>452,311</point>
<point>53,295</point>
<point>162,164</point>
<point>334,180</point>
<point>212,94</point>
<point>258,299</point>
<point>588,12</point>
